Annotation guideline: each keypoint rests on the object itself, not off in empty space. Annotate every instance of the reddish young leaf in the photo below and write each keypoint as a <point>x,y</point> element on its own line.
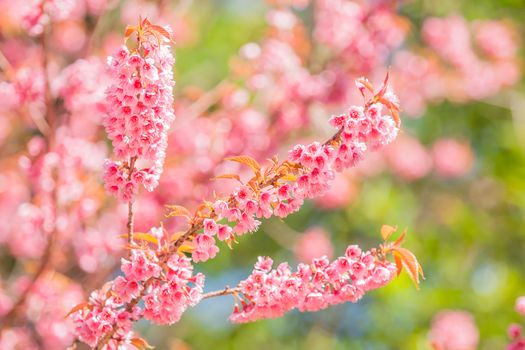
<point>186,248</point>
<point>178,210</point>
<point>140,344</point>
<point>228,176</point>
<point>387,231</point>
<point>78,307</point>
<point>129,31</point>
<point>145,22</point>
<point>366,84</point>
<point>399,263</point>
<point>176,236</point>
<point>395,116</point>
<point>384,86</point>
<point>145,237</point>
<point>161,31</point>
<point>289,177</point>
<point>401,238</point>
<point>247,160</point>
<point>410,263</point>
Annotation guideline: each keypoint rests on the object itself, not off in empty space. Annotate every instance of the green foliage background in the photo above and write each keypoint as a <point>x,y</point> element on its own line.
<point>469,233</point>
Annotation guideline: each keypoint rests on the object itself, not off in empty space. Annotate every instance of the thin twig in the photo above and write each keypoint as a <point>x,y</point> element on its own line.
<point>131,214</point>
<point>218,293</point>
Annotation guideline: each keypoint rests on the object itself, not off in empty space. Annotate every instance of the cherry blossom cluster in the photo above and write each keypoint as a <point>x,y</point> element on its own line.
<point>515,331</point>
<point>99,318</point>
<point>269,293</point>
<point>139,116</point>
<point>167,293</point>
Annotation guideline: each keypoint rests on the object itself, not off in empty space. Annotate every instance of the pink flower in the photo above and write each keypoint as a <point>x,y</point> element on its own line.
<point>166,302</point>
<point>225,233</point>
<point>126,289</point>
<point>210,227</point>
<point>140,267</point>
<point>264,264</point>
<point>205,248</point>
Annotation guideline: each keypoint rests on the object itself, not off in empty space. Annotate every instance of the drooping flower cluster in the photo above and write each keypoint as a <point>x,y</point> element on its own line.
<point>311,171</point>
<point>269,293</point>
<point>140,113</point>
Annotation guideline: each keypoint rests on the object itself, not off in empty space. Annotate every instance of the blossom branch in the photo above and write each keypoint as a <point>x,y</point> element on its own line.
<point>278,189</point>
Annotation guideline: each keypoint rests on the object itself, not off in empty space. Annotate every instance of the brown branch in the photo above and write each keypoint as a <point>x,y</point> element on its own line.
<point>130,223</point>
<point>131,214</point>
<point>218,293</point>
